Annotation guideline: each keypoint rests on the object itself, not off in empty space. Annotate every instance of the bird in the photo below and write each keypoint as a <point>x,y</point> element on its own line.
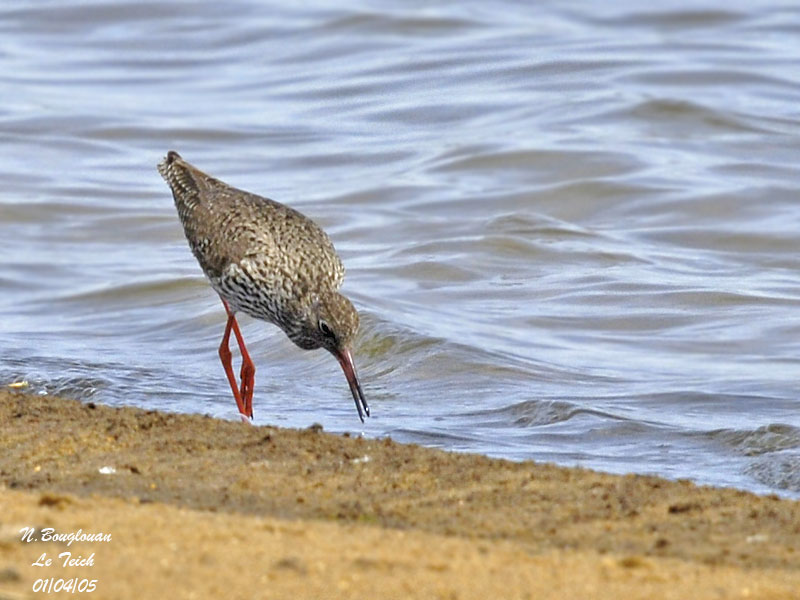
<point>269,261</point>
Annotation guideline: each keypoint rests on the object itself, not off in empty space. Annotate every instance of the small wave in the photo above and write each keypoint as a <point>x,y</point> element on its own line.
<point>157,291</point>
<point>534,413</point>
<point>375,24</point>
<point>763,440</point>
<point>780,470</point>
<point>72,382</point>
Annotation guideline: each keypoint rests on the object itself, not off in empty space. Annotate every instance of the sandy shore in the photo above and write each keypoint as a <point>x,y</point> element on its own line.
<point>202,508</point>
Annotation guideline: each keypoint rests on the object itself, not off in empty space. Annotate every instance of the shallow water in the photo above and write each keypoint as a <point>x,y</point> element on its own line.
<point>572,231</point>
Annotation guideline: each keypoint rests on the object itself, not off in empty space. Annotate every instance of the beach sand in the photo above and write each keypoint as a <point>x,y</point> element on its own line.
<point>198,507</point>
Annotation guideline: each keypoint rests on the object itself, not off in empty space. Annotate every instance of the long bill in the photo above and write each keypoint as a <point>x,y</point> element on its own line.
<point>349,368</point>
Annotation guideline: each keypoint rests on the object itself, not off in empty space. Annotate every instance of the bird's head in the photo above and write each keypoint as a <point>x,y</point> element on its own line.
<point>332,323</point>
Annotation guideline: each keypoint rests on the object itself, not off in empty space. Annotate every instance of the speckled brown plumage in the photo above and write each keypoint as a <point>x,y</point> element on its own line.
<point>265,259</point>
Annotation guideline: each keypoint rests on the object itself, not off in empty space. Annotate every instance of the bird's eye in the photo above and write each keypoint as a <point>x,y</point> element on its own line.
<point>325,328</point>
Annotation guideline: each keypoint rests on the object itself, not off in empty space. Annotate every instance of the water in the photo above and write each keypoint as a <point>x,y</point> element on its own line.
<point>571,230</point>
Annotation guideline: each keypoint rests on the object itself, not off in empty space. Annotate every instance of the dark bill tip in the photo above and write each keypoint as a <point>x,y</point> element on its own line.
<point>349,368</point>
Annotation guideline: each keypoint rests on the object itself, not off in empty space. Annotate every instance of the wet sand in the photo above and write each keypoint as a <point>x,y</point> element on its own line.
<point>202,508</point>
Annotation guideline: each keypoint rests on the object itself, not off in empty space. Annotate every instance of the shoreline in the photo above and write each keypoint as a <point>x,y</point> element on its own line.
<point>199,507</point>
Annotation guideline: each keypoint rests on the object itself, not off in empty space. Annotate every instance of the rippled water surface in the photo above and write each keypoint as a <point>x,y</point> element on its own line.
<point>572,231</point>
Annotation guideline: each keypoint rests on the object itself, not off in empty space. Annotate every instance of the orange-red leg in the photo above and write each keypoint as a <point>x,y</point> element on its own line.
<point>242,393</point>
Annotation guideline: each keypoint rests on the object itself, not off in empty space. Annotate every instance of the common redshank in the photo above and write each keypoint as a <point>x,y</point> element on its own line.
<point>269,261</point>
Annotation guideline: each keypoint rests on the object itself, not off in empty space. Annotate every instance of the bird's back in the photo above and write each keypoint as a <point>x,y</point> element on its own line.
<point>263,257</point>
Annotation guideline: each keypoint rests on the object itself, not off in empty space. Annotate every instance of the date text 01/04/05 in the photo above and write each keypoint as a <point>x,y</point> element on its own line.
<point>73,585</point>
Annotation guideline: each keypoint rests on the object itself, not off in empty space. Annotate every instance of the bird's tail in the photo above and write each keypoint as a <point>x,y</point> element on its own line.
<point>180,177</point>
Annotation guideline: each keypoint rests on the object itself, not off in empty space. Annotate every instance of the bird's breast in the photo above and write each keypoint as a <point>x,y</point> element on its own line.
<point>261,291</point>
